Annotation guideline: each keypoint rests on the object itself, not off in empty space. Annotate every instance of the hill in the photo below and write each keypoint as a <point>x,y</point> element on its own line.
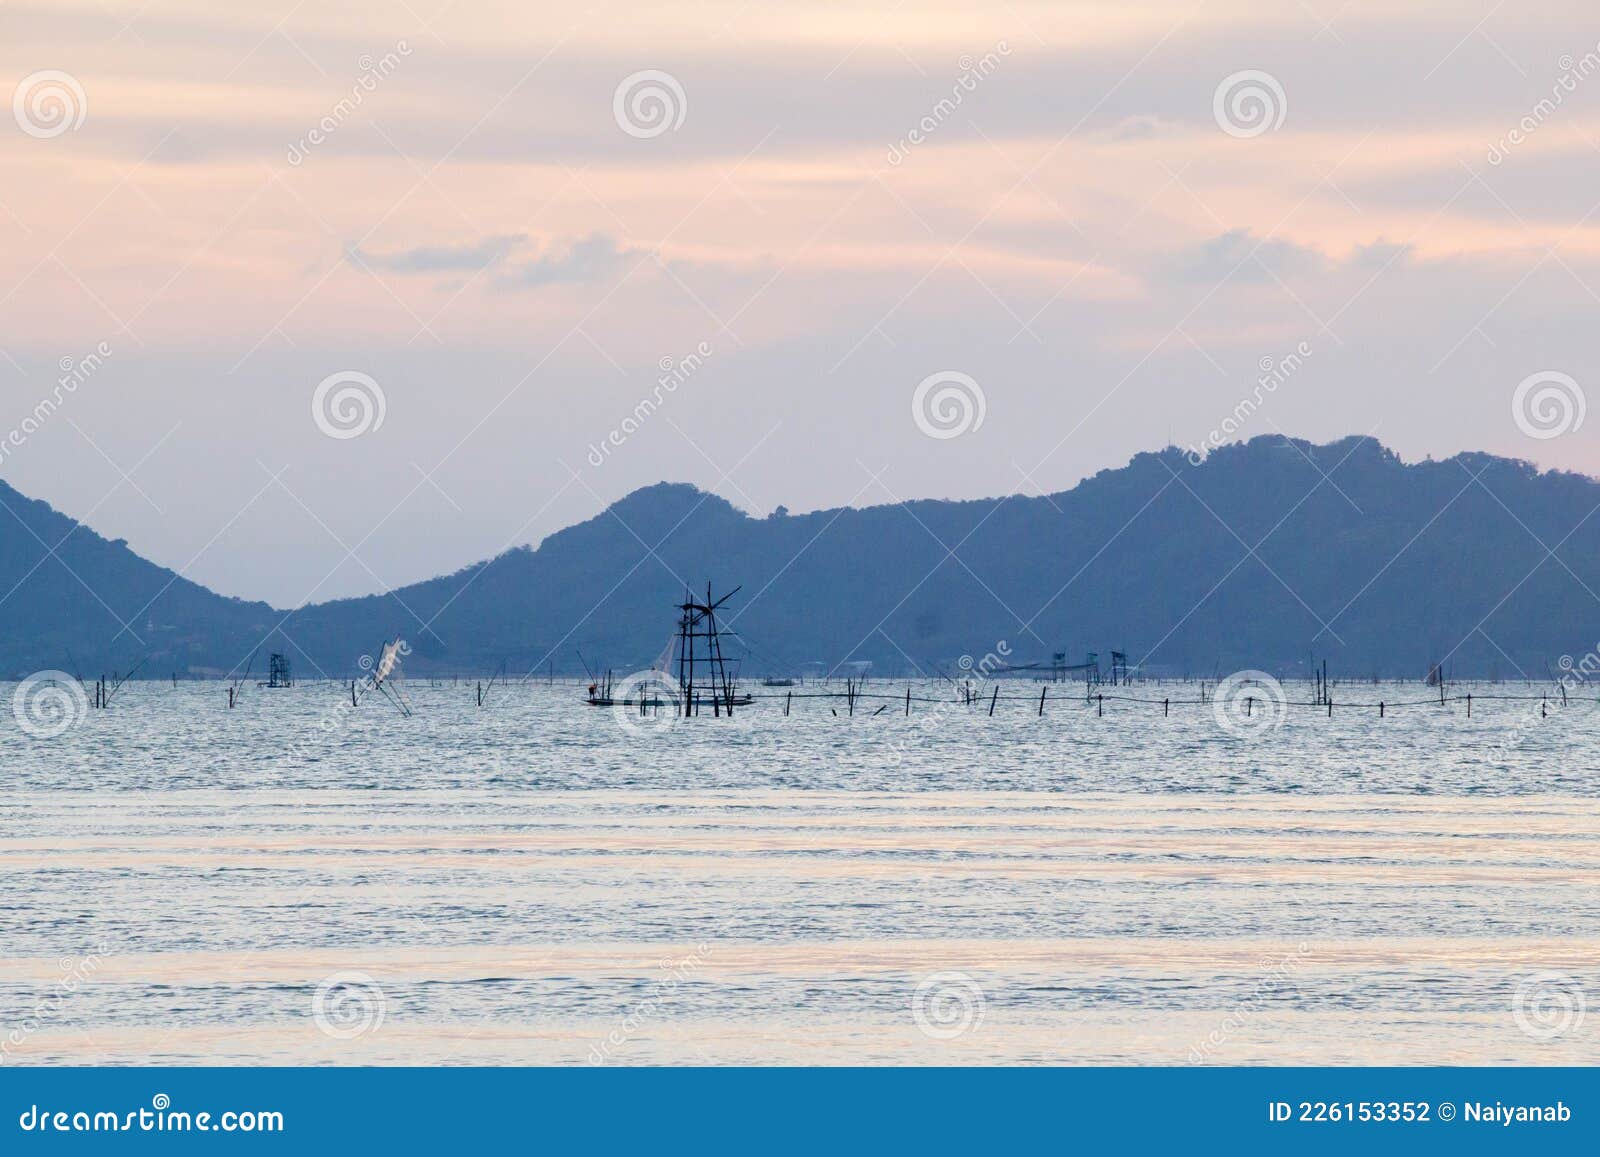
<point>1263,553</point>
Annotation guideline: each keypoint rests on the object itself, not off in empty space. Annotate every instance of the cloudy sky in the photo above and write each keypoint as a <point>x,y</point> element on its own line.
<point>382,288</point>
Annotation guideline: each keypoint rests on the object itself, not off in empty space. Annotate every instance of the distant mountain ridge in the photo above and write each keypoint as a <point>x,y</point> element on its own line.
<point>1262,555</point>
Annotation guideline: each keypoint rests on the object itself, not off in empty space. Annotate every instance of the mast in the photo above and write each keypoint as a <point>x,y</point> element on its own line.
<point>686,653</point>
<point>698,620</point>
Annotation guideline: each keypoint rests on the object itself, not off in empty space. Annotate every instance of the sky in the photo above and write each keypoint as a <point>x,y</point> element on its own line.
<point>349,296</point>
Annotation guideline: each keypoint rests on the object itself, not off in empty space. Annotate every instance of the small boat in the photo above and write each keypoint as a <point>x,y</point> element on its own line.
<point>600,695</point>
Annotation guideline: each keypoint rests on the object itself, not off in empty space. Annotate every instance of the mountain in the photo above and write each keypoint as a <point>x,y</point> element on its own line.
<point>72,599</point>
<point>1262,554</point>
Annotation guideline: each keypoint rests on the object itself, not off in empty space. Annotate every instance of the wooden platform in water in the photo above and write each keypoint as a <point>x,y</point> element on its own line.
<point>718,701</point>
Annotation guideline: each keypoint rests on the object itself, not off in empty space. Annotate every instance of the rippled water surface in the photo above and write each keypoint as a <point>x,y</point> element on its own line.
<point>532,882</point>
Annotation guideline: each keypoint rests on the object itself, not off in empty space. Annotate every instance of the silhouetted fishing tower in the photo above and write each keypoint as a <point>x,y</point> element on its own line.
<point>698,621</point>
<point>278,671</point>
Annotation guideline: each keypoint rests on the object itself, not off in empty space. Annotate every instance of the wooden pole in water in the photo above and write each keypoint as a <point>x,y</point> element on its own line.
<point>1380,708</point>
<point>352,692</point>
<point>1166,708</point>
<point>1469,706</point>
<point>908,700</point>
<point>787,699</point>
<point>993,698</point>
<point>1099,704</point>
<point>1042,690</point>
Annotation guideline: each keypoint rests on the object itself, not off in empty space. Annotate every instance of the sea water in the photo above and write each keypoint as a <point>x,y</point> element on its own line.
<point>537,881</point>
